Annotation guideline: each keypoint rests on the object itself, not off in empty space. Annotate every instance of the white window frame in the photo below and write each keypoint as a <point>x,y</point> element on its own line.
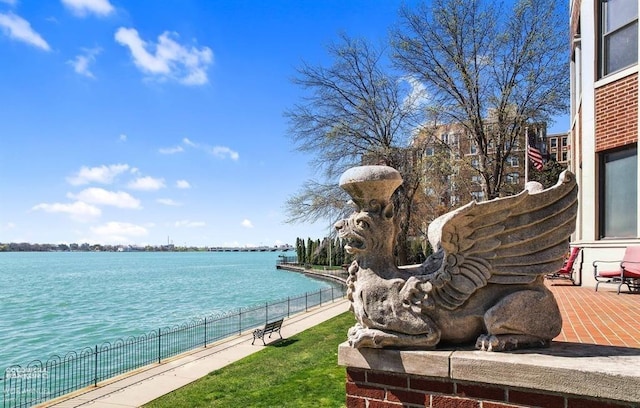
<point>606,33</point>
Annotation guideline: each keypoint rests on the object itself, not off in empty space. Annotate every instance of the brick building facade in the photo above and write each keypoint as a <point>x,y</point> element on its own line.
<point>604,128</point>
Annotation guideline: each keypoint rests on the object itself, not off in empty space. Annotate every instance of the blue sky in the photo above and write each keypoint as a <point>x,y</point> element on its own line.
<point>134,122</point>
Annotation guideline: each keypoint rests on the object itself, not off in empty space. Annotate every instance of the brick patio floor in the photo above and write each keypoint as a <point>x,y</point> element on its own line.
<point>601,317</point>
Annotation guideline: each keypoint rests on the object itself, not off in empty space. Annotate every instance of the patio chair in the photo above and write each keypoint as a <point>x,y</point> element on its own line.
<point>566,272</point>
<point>627,273</point>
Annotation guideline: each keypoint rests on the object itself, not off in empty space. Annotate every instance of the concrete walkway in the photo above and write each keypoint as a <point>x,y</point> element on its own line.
<point>147,384</point>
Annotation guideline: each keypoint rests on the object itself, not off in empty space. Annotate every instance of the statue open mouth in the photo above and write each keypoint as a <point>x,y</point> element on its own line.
<point>354,242</point>
<point>355,245</point>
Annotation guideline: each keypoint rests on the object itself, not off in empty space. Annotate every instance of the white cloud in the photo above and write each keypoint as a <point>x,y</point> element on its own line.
<point>81,8</point>
<point>122,137</point>
<point>167,59</point>
<point>189,224</point>
<point>147,183</point>
<point>171,150</point>
<point>10,2</point>
<point>224,152</point>
<point>189,142</point>
<point>79,211</point>
<point>246,223</point>
<point>20,29</point>
<point>81,63</point>
<point>103,174</point>
<point>168,201</point>
<point>8,226</point>
<point>417,95</point>
<point>221,152</point>
<point>119,231</point>
<point>100,196</point>
<point>184,184</point>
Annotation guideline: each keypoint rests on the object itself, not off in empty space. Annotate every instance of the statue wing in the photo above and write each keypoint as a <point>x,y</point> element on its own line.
<point>509,240</point>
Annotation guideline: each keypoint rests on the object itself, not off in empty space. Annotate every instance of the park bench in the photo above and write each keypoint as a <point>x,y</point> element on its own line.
<point>627,272</point>
<point>269,328</point>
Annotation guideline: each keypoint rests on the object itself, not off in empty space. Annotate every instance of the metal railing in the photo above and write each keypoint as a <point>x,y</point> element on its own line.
<point>24,386</point>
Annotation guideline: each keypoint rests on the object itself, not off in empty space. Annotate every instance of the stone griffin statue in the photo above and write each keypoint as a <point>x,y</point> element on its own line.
<point>483,283</point>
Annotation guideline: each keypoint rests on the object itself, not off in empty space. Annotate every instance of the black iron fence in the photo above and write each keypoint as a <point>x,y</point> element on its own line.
<point>24,386</point>
<point>284,259</point>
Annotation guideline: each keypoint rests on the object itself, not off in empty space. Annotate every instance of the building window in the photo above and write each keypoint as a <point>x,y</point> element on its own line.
<point>618,191</point>
<point>511,144</point>
<point>428,151</point>
<point>454,140</point>
<point>619,35</point>
<point>445,138</point>
<point>477,195</point>
<point>564,156</point>
<point>513,178</point>
<point>553,142</point>
<point>513,161</point>
<point>565,142</point>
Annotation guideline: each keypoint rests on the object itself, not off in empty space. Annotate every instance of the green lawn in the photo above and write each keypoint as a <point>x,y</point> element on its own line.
<point>300,371</point>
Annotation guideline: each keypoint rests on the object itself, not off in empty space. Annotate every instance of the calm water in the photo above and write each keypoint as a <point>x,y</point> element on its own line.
<point>55,302</point>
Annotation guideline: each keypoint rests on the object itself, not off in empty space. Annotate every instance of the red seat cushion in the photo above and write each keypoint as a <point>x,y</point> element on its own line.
<point>618,273</point>
<point>632,270</point>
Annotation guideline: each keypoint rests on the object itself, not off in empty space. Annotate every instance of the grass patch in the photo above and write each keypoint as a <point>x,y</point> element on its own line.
<point>300,371</point>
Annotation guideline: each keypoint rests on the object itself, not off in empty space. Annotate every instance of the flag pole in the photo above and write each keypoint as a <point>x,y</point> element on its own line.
<point>526,155</point>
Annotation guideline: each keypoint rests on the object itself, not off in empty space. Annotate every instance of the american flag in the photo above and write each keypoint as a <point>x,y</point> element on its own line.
<point>535,156</point>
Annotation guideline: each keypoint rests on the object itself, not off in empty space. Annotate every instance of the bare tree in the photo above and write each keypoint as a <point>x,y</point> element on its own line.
<point>355,112</point>
<point>490,69</point>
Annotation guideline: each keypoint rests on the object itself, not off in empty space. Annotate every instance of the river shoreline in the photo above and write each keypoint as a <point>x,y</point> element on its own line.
<point>339,276</point>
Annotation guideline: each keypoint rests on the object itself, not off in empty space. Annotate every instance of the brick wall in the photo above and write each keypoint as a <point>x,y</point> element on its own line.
<point>375,389</point>
<point>616,118</point>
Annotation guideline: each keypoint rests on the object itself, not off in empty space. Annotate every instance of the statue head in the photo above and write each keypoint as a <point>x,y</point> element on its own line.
<point>371,227</point>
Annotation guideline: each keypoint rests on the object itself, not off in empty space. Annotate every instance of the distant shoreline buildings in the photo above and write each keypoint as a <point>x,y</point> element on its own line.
<point>29,247</point>
<point>282,248</point>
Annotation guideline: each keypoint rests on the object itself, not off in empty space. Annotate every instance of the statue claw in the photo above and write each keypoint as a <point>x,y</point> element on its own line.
<point>360,337</point>
<point>506,342</point>
<point>486,342</point>
<point>414,292</point>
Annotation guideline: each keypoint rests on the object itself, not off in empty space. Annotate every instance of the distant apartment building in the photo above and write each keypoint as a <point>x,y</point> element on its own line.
<point>604,127</point>
<point>558,147</point>
<point>451,160</point>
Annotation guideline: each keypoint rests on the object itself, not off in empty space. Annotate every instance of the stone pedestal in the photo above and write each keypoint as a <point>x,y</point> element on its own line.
<point>566,375</point>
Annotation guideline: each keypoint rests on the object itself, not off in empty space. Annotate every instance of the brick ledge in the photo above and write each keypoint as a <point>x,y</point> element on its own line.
<point>605,372</point>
